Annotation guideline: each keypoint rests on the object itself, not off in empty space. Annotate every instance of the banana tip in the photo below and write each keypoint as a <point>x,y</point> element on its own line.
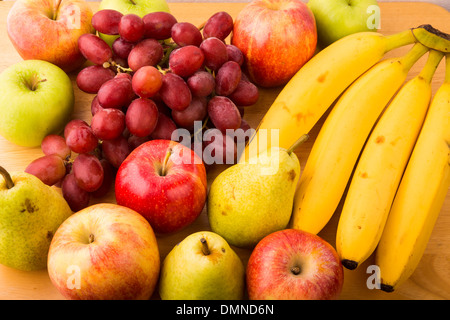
<point>386,287</point>
<point>349,264</point>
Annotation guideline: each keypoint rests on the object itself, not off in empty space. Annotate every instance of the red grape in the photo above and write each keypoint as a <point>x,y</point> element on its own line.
<point>124,75</point>
<point>235,54</point>
<point>91,78</point>
<point>81,139</point>
<point>186,60</point>
<point>131,27</point>
<point>223,113</point>
<point>175,92</point>
<point>201,83</point>
<point>122,48</point>
<point>158,25</point>
<point>108,123</point>
<point>73,124</point>
<point>76,197</point>
<point>219,25</point>
<point>107,21</point>
<point>88,172</point>
<point>245,94</point>
<point>147,81</point>
<point>94,48</point>
<point>227,78</point>
<point>95,105</point>
<point>164,128</point>
<point>185,33</point>
<point>116,150</point>
<point>196,111</point>
<point>108,179</point>
<point>147,52</point>
<point>215,52</point>
<point>49,169</point>
<point>219,148</point>
<point>135,141</point>
<point>142,117</point>
<point>55,144</point>
<point>115,93</point>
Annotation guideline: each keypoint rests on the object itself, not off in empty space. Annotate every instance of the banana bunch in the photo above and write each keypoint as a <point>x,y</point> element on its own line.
<point>420,195</point>
<point>381,166</point>
<point>385,140</point>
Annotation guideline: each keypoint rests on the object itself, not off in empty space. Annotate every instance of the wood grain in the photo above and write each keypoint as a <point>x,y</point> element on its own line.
<point>431,279</point>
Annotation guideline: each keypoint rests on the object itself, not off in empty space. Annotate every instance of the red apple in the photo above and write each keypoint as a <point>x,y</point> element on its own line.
<point>277,37</point>
<point>294,265</point>
<point>49,30</point>
<point>104,252</point>
<point>165,182</point>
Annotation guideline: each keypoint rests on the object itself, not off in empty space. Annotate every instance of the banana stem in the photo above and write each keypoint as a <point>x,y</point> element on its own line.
<point>434,58</point>
<point>417,51</point>
<point>400,39</point>
<point>447,68</point>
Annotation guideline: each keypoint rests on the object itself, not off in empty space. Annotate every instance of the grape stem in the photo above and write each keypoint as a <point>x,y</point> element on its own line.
<point>118,66</point>
<point>201,129</point>
<point>168,48</point>
<point>7,177</point>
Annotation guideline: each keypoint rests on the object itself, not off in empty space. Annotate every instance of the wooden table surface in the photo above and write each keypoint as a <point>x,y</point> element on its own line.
<point>431,279</point>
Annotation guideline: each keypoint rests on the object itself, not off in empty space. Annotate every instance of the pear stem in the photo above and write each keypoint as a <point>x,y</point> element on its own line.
<point>302,139</point>
<point>166,159</point>
<point>7,177</point>
<point>205,248</point>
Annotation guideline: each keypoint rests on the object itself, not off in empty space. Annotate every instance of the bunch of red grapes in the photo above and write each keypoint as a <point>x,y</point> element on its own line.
<point>158,75</point>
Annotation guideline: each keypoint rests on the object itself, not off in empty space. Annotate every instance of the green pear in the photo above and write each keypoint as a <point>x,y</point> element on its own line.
<point>30,213</point>
<point>202,267</point>
<point>249,200</point>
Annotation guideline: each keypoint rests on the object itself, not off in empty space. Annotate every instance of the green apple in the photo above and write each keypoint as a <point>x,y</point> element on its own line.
<point>139,7</point>
<point>336,19</point>
<point>36,99</point>
<point>202,267</point>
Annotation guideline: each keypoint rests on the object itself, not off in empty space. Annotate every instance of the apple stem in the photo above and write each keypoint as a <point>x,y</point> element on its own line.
<point>205,248</point>
<point>166,159</point>
<point>302,139</point>
<point>296,270</point>
<point>7,177</point>
<point>91,238</point>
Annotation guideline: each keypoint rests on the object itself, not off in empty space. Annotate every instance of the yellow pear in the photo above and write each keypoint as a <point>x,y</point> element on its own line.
<point>249,200</point>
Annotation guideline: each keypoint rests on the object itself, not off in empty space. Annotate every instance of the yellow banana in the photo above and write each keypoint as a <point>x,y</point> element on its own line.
<point>381,166</point>
<point>420,196</point>
<point>341,139</point>
<point>312,90</point>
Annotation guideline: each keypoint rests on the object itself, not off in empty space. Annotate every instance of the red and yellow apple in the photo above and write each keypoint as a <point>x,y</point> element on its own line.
<point>293,264</point>
<point>104,252</point>
<point>164,181</point>
<point>277,37</point>
<point>49,30</point>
